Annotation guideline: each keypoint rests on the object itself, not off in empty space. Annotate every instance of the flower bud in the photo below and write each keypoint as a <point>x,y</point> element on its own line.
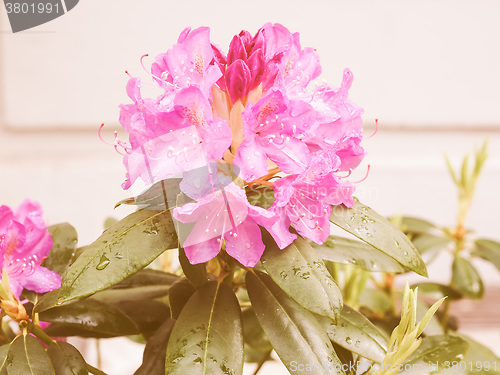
<point>14,309</point>
<point>238,78</point>
<point>236,50</point>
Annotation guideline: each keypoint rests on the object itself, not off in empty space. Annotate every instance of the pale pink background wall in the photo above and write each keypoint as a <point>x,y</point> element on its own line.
<point>428,70</point>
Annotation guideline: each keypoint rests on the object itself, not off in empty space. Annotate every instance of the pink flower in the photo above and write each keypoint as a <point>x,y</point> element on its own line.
<point>24,244</point>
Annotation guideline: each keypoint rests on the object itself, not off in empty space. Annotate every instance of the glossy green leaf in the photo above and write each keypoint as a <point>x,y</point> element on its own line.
<point>64,238</point>
<point>195,273</point>
<point>153,361</point>
<point>466,279</point>
<point>434,351</point>
<point>91,316</point>
<point>437,291</point>
<point>160,196</point>
<point>121,251</point>
<point>372,228</point>
<point>303,276</point>
<point>208,336</point>
<point>27,356</point>
<point>347,251</point>
<point>180,292</point>
<point>254,335</point>
<point>488,250</point>
<point>66,359</point>
<point>295,333</point>
<point>357,334</point>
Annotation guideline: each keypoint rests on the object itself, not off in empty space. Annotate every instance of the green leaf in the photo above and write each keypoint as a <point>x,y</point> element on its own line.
<point>27,356</point>
<point>208,336</point>
<point>295,333</point>
<point>433,351</point>
<point>374,229</point>
<point>415,225</point>
<point>481,358</point>
<point>147,277</point>
<point>262,197</point>
<point>466,279</point>
<point>153,361</point>
<point>64,238</point>
<point>4,349</point>
<point>347,251</point>
<point>437,291</point>
<point>488,250</point>
<point>195,273</point>
<point>253,333</point>
<point>121,251</point>
<point>147,315</point>
<point>132,294</point>
<point>357,334</point>
<point>91,316</point>
<point>303,276</point>
<point>376,300</point>
<point>451,170</point>
<point>66,359</point>
<point>433,326</point>
<point>429,246</point>
<point>160,196</point>
<point>180,292</point>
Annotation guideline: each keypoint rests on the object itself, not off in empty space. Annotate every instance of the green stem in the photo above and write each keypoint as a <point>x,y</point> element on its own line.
<point>39,333</point>
<point>263,360</point>
<point>446,315</point>
<point>98,350</point>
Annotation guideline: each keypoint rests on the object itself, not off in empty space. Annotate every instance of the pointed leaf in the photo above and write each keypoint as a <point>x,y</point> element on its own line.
<point>66,359</point>
<point>91,316</point>
<point>160,196</point>
<point>429,245</point>
<point>195,273</point>
<point>416,225</point>
<point>433,351</point>
<point>4,349</point>
<point>153,361</point>
<point>481,358</point>
<point>466,278</point>
<point>64,238</point>
<point>27,356</point>
<point>372,228</point>
<point>121,251</point>
<point>347,251</point>
<point>294,332</point>
<point>303,276</point>
<point>488,250</point>
<point>208,336</point>
<point>357,334</point>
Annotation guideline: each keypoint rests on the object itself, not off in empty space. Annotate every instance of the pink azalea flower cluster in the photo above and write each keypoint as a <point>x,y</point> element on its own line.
<point>250,107</point>
<point>24,244</point>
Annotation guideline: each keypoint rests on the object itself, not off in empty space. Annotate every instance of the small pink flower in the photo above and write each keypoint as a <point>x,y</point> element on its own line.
<point>24,244</point>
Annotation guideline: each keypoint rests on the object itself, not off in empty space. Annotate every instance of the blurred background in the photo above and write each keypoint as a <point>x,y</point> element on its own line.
<point>429,71</point>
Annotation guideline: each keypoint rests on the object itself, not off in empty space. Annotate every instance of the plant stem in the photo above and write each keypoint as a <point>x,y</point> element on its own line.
<point>39,333</point>
<point>98,350</point>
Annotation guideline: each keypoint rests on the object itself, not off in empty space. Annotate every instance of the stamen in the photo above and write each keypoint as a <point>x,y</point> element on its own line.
<point>376,129</point>
<point>348,174</point>
<point>366,176</point>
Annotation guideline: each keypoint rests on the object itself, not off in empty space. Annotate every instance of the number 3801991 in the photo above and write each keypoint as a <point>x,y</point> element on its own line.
<point>25,8</point>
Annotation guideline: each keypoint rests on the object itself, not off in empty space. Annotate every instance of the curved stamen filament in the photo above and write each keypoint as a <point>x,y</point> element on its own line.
<point>376,129</point>
<point>366,176</point>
